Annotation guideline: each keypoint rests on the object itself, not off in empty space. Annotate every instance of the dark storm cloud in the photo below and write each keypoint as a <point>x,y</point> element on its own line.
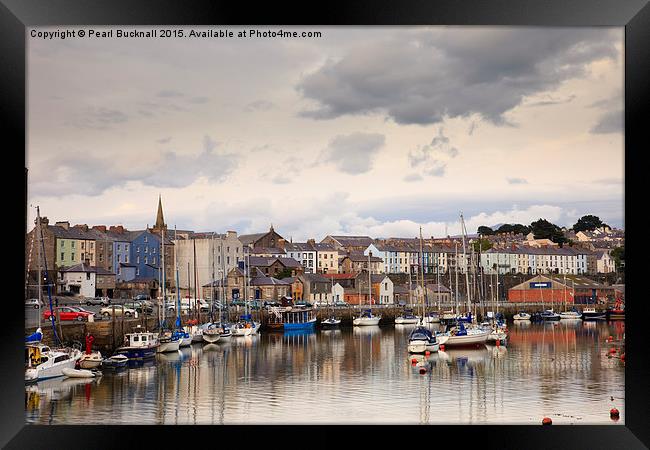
<point>611,122</point>
<point>353,153</point>
<point>68,174</point>
<point>424,76</point>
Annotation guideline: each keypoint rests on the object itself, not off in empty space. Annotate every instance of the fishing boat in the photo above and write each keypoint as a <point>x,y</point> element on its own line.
<point>291,318</point>
<point>42,362</point>
<point>115,362</point>
<point>549,314</point>
<point>590,313</point>
<point>521,315</point>
<point>617,312</point>
<point>90,360</point>
<point>460,335</point>
<point>212,333</point>
<point>407,318</point>
<point>422,340</point>
<point>139,345</point>
<point>79,373</point>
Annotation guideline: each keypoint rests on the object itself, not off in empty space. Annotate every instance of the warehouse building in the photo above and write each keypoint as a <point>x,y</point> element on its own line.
<point>558,289</point>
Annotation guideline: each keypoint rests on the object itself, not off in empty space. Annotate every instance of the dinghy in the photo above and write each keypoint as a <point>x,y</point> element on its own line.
<point>115,361</point>
<point>421,340</point>
<point>78,373</point>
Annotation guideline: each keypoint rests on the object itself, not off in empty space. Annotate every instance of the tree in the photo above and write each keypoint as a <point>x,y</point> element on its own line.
<point>588,223</point>
<point>485,231</point>
<point>286,272</point>
<point>482,245</point>
<point>619,255</point>
<point>516,228</point>
<point>543,229</point>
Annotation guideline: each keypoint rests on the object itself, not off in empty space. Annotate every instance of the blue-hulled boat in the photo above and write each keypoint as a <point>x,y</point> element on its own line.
<point>291,318</point>
<point>139,345</point>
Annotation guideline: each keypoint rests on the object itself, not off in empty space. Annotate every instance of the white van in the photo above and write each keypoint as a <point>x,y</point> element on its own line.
<point>187,305</point>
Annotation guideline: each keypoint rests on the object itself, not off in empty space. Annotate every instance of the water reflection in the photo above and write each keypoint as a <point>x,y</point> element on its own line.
<point>562,370</point>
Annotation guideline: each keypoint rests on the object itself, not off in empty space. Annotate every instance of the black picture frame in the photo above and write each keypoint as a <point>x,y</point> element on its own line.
<point>16,15</point>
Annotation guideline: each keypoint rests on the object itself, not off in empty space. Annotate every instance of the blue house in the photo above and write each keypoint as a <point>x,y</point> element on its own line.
<point>145,253</point>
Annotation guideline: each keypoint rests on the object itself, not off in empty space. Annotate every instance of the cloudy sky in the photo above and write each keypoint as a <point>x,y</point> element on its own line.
<point>369,130</point>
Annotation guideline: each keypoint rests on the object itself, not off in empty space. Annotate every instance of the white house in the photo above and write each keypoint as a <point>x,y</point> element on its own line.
<point>604,262</point>
<point>386,289</point>
<point>338,294</point>
<point>81,279</point>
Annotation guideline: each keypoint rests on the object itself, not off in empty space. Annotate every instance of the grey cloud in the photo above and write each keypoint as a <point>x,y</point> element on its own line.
<point>92,175</point>
<point>610,122</point>
<point>164,140</point>
<point>517,181</point>
<point>170,93</point>
<point>411,177</point>
<point>259,105</point>
<point>432,159</point>
<point>424,76</point>
<point>198,100</point>
<point>99,118</point>
<point>547,100</point>
<point>353,153</point>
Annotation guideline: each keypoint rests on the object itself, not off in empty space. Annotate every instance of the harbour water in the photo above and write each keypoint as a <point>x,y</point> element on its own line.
<point>362,375</point>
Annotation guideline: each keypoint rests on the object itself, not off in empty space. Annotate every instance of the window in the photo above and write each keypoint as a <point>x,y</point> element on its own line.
<point>137,260</point>
<point>137,271</point>
<point>82,245</point>
<point>126,258</point>
<point>153,250</point>
<point>144,338</point>
<point>62,243</point>
<point>146,260</point>
<point>227,249</point>
<point>137,249</point>
<point>145,239</point>
<point>146,249</point>
<point>87,275</point>
<point>73,242</point>
<point>72,257</point>
<point>62,256</point>
<point>154,260</point>
<point>227,259</point>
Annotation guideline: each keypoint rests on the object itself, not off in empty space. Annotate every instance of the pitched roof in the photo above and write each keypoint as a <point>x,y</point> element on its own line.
<point>87,268</point>
<point>251,238</point>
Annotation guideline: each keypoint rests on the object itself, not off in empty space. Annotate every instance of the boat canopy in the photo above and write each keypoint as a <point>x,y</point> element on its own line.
<point>421,334</point>
<point>246,317</point>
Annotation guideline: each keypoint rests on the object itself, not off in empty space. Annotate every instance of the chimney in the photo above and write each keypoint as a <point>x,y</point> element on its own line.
<point>44,221</point>
<point>65,225</point>
<point>82,226</point>
<point>101,228</point>
<point>311,241</point>
<point>231,234</point>
<point>86,262</point>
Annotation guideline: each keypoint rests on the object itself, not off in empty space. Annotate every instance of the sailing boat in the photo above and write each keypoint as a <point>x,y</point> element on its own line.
<point>408,317</point>
<point>498,329</point>
<point>366,317</point>
<point>41,361</point>
<point>246,326</point>
<point>547,314</point>
<point>573,314</point>
<point>183,335</point>
<point>449,317</point>
<point>212,333</point>
<point>168,341</point>
<point>432,316</point>
<point>331,321</point>
<point>462,335</point>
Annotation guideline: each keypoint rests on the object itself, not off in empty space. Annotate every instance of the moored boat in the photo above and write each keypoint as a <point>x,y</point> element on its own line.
<point>291,318</point>
<point>42,362</point>
<point>459,336</point>
<point>330,322</point>
<point>590,313</point>
<point>212,333</point>
<point>366,318</point>
<point>422,340</point>
<point>521,316</point>
<point>617,312</point>
<point>79,373</point>
<point>116,361</point>
<point>431,317</point>
<point>407,318</point>
<point>139,345</point>
<point>549,314</point>
<point>570,315</point>
<point>168,343</point>
<point>90,360</point>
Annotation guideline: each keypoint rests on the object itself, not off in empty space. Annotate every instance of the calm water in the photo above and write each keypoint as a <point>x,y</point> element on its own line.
<point>361,375</point>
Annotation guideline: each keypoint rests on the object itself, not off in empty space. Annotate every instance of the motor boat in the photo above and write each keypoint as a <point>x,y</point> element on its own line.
<point>115,362</point>
<point>422,340</point>
<point>366,318</point>
<point>330,322</point>
<point>521,316</point>
<point>590,313</point>
<point>570,315</point>
<point>42,362</point>
<point>168,342</point>
<point>549,314</point>
<point>90,360</point>
<point>139,345</point>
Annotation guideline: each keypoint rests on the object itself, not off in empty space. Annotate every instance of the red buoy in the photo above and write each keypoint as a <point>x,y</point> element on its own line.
<point>614,414</point>
<point>414,361</point>
<point>610,339</point>
<point>623,357</point>
<point>427,353</point>
<point>612,350</point>
<point>442,347</point>
<point>423,370</point>
<point>547,421</point>
<point>498,343</point>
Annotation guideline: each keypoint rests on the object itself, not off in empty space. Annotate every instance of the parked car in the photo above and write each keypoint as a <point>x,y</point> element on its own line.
<point>342,304</point>
<point>69,313</point>
<point>119,310</point>
<point>33,302</point>
<point>102,301</point>
<point>139,307</point>
<point>141,297</point>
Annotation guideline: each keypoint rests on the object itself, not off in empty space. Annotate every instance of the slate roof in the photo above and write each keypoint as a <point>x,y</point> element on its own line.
<point>87,268</point>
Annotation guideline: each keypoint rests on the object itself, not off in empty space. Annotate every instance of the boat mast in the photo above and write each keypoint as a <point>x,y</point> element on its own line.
<point>469,299</point>
<point>497,290</point>
<point>223,280</point>
<point>214,282</point>
<point>178,289</point>
<point>421,264</point>
<point>164,286</point>
<point>40,276</point>
<point>369,284</point>
<point>457,266</point>
<point>196,313</point>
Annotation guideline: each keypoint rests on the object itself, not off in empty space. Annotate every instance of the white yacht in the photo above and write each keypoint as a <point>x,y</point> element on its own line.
<point>42,362</point>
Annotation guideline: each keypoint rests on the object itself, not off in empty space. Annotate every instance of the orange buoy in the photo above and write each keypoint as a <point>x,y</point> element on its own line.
<point>610,339</point>
<point>614,414</point>
<point>547,421</point>
<point>423,370</point>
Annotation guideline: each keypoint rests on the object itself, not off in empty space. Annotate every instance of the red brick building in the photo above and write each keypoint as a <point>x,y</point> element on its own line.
<point>558,289</point>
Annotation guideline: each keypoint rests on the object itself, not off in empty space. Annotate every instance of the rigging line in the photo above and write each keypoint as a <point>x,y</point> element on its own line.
<point>47,277</point>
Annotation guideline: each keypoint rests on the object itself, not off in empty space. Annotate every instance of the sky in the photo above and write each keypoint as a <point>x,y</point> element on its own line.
<point>370,131</point>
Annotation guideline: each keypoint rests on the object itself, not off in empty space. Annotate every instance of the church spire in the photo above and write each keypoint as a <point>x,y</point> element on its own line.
<point>160,220</point>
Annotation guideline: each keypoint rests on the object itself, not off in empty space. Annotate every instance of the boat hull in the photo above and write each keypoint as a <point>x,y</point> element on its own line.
<point>469,339</point>
<point>211,338</point>
<point>91,361</point>
<point>136,353</point>
<point>78,373</point>
<point>594,316</point>
<point>171,346</point>
<point>420,346</point>
<point>309,325</point>
<point>186,341</point>
<point>330,324</point>
<point>54,371</point>
<point>521,317</point>
<point>568,316</point>
<point>407,321</point>
<point>242,331</point>
<point>366,321</point>
<point>615,315</point>
<point>432,320</point>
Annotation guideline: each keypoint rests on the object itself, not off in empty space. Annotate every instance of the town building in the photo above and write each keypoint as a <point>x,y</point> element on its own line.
<point>561,289</point>
<point>348,243</point>
<point>269,239</point>
<point>314,257</point>
<point>356,262</point>
<point>88,281</point>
